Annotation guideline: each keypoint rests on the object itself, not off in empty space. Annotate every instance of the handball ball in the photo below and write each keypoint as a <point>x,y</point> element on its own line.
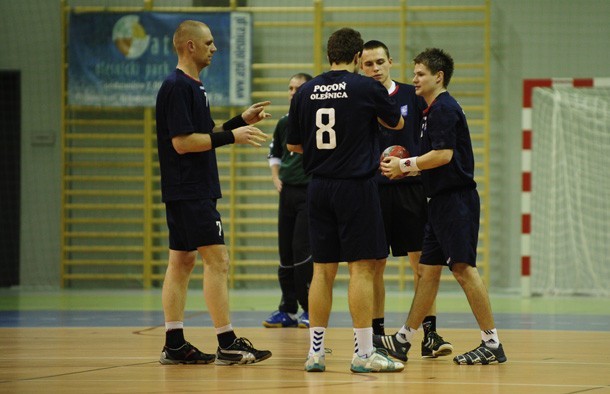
<point>395,151</point>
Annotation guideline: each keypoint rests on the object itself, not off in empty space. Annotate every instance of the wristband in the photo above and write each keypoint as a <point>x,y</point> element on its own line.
<point>234,122</point>
<point>222,138</point>
<point>409,164</point>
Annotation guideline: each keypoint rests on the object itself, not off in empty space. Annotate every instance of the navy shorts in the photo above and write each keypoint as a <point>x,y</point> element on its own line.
<point>345,222</point>
<point>193,223</point>
<point>452,232</point>
<point>405,213</point>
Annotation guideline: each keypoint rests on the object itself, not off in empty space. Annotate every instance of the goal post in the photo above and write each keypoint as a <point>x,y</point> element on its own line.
<point>570,191</point>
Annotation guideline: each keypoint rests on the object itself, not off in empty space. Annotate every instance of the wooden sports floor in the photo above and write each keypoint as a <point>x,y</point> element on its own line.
<point>90,342</point>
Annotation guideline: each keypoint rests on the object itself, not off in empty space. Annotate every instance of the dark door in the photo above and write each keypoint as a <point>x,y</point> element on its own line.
<point>10,158</point>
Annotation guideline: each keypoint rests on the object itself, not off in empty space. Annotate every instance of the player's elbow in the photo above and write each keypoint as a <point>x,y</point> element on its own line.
<point>179,145</point>
<point>444,156</point>
<point>400,125</point>
<point>294,148</point>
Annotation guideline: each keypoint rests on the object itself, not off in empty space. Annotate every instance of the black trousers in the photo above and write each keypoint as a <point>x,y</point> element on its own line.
<point>296,265</point>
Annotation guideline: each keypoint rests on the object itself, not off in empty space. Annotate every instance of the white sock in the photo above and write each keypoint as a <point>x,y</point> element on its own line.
<point>223,329</point>
<point>363,342</point>
<point>405,334</point>
<point>490,337</point>
<point>174,325</point>
<point>316,340</point>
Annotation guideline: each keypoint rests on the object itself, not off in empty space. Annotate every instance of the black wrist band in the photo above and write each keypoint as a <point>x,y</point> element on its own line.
<point>233,123</point>
<point>222,138</point>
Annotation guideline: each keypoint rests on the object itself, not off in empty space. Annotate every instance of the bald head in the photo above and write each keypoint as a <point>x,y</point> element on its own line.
<point>188,30</point>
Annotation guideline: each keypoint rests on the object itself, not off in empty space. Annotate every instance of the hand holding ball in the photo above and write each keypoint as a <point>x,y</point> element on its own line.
<point>395,151</point>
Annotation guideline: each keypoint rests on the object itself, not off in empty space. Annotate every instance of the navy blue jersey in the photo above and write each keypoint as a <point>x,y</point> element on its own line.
<point>334,117</point>
<point>444,126</point>
<point>411,108</point>
<point>183,108</point>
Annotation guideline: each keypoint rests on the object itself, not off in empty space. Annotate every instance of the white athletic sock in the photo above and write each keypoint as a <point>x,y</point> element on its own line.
<point>490,337</point>
<point>363,342</point>
<point>223,329</point>
<point>174,325</point>
<point>316,340</point>
<point>405,334</point>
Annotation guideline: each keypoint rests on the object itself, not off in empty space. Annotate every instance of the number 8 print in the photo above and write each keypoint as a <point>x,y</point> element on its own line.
<point>325,128</point>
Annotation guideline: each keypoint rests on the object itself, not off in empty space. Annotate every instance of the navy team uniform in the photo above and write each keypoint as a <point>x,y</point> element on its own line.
<point>454,207</point>
<point>334,117</point>
<point>189,183</point>
<point>403,201</point>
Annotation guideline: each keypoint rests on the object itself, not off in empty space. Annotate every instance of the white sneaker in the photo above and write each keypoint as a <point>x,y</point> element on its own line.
<point>315,363</point>
<point>379,361</point>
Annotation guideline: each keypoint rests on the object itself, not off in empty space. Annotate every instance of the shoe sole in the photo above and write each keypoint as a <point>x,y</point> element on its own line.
<point>278,325</point>
<point>165,361</point>
<point>444,350</point>
<point>365,370</point>
<point>497,361</point>
<point>220,361</point>
<point>316,368</point>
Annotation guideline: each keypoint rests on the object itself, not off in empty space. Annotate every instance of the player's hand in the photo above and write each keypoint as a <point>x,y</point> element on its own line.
<point>390,167</point>
<point>249,135</point>
<point>256,112</point>
<point>277,182</point>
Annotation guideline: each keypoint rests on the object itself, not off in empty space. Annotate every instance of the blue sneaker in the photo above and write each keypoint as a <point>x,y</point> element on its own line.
<point>304,320</point>
<point>281,319</point>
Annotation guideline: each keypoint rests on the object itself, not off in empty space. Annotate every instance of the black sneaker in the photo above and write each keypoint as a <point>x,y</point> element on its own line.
<point>185,354</point>
<point>395,348</point>
<point>481,355</point>
<point>434,346</point>
<point>240,352</point>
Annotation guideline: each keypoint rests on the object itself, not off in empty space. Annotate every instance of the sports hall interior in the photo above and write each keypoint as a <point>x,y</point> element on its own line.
<point>84,240</point>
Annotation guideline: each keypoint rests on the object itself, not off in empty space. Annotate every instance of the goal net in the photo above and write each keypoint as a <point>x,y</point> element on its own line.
<point>570,200</point>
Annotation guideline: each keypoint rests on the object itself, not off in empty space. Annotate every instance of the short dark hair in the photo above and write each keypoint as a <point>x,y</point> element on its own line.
<point>343,45</point>
<point>304,76</point>
<point>437,60</point>
<point>374,44</point>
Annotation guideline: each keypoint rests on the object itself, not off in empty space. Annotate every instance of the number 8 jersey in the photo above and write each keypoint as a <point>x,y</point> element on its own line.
<point>334,117</point>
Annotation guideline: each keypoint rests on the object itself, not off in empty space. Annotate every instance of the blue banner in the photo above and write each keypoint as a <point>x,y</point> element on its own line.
<point>121,59</point>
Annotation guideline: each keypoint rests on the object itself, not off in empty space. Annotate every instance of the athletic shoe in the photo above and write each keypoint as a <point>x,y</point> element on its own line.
<point>379,361</point>
<point>304,320</point>
<point>395,348</point>
<point>434,346</point>
<point>240,352</point>
<point>185,354</point>
<point>315,363</point>
<point>280,319</point>
<point>481,355</point>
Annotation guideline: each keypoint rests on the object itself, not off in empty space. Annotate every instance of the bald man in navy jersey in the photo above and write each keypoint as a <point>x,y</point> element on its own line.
<point>187,139</point>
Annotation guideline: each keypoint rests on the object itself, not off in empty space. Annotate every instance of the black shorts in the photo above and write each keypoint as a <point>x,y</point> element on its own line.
<point>345,221</point>
<point>405,213</point>
<point>193,223</point>
<point>452,231</point>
